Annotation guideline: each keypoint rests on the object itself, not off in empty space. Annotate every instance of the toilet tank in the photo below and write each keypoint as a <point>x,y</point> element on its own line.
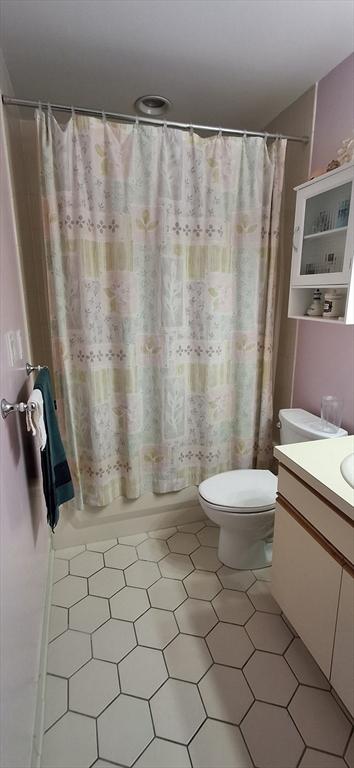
<point>297,426</point>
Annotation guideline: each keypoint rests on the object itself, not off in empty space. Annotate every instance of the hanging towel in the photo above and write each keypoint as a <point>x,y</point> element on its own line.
<point>57,484</point>
<point>35,419</point>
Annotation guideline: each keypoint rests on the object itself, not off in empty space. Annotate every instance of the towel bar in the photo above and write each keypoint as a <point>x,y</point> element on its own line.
<point>7,407</point>
<point>30,368</point>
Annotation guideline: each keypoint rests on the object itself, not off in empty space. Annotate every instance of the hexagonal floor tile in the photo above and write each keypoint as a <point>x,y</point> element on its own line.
<point>314,759</point>
<point>101,546</point>
<point>129,604</point>
<point>195,617</point>
<point>142,672</point>
<point>320,720</point>
<point>304,666</point>
<point>86,564</point>
<point>268,632</point>
<point>229,644</point>
<point>233,606</point>
<point>202,584</point>
<point>161,753</point>
<point>104,764</point>
<point>192,527</point>
<point>56,699</point>
<point>187,658</point>
<point>176,566</point>
<point>162,533</point>
<point>183,543</point>
<point>133,539</point>
<point>69,552</point>
<point>69,591</point>
<point>67,653</point>
<point>93,687</point>
<point>349,752</point>
<point>142,574</point>
<point>225,694</point>
<point>177,711</point>
<point>231,579</point>
<point>271,737</point>
<point>216,741</point>
<point>89,614</point>
<point>262,598</point>
<point>167,594</point>
<point>263,574</point>
<point>120,556</point>
<point>58,622</point>
<point>113,641</point>
<point>124,730</point>
<point>209,537</point>
<point>206,559</point>
<point>70,743</point>
<point>152,549</point>
<point>156,628</point>
<point>270,678</point>
<point>60,569</point>
<point>106,582</point>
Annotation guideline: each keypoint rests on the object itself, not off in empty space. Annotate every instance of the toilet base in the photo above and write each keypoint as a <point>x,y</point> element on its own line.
<point>241,552</point>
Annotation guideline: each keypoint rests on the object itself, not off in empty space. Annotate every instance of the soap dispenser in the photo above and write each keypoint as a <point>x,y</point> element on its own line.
<point>316,308</point>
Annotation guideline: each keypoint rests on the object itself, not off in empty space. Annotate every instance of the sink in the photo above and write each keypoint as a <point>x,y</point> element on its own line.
<point>347,469</point>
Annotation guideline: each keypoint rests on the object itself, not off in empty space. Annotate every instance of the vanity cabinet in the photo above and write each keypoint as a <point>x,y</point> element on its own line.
<point>323,243</point>
<point>312,577</point>
<point>342,672</point>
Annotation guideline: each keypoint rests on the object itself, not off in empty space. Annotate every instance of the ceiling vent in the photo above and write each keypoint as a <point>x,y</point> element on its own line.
<point>152,105</point>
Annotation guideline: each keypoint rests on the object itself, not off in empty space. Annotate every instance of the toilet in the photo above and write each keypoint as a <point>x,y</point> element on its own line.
<point>242,502</point>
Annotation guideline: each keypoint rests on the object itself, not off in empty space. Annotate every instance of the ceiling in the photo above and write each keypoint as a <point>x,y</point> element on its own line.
<point>235,63</point>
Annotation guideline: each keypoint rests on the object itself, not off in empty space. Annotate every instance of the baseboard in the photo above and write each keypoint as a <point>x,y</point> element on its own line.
<point>40,701</point>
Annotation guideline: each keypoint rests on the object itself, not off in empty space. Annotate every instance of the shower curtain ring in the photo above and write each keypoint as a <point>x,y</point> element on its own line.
<point>49,108</point>
<point>104,117</point>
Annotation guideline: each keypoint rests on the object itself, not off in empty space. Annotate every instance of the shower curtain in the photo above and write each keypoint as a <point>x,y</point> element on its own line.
<point>161,255</point>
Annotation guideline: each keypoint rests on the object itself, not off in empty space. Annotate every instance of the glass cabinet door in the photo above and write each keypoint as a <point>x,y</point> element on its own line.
<point>323,247</point>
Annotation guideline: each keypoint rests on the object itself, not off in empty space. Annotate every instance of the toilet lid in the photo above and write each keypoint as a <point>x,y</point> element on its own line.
<point>250,489</point>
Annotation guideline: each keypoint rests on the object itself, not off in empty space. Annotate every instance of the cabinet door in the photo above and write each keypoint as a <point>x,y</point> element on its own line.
<point>305,583</point>
<point>342,675</point>
<point>323,233</point>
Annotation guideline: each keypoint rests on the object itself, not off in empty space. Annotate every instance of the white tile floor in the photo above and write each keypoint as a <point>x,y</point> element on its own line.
<point>161,657</point>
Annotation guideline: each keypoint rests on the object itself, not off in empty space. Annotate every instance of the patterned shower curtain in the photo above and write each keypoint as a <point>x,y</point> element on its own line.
<point>161,254</point>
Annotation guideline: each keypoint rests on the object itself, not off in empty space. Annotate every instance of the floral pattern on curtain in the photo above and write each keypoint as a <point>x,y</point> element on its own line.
<point>161,253</point>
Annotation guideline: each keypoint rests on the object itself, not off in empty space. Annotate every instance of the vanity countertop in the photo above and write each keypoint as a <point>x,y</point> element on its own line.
<point>317,463</point>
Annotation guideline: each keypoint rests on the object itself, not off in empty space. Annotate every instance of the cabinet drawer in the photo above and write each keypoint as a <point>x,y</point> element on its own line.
<point>333,526</point>
<point>342,677</point>
<point>306,583</point>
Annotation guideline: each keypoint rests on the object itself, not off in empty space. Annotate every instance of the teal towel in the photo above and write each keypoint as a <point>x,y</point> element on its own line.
<point>57,484</point>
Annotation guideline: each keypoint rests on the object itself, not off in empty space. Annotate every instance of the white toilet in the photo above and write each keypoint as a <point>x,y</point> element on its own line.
<point>242,502</point>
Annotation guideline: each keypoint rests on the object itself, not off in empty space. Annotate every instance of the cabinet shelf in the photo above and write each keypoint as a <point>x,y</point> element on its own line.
<point>336,321</point>
<point>325,233</point>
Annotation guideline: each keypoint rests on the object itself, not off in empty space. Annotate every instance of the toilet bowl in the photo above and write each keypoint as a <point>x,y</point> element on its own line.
<point>242,503</point>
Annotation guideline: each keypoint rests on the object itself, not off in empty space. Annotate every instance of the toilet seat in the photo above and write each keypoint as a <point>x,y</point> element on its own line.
<point>240,491</point>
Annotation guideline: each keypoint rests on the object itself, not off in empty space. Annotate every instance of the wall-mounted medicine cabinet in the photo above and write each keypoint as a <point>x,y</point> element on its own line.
<point>323,244</point>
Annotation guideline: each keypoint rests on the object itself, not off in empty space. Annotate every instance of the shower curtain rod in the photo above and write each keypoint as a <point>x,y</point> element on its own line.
<point>9,101</point>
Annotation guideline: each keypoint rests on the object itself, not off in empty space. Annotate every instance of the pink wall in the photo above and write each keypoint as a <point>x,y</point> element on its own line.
<point>325,353</point>
<point>23,530</point>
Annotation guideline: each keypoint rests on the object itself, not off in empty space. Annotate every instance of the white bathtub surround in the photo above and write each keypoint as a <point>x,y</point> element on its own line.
<point>191,667</point>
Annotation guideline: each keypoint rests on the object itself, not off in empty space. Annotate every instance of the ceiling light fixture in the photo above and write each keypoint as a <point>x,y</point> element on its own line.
<point>152,105</point>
